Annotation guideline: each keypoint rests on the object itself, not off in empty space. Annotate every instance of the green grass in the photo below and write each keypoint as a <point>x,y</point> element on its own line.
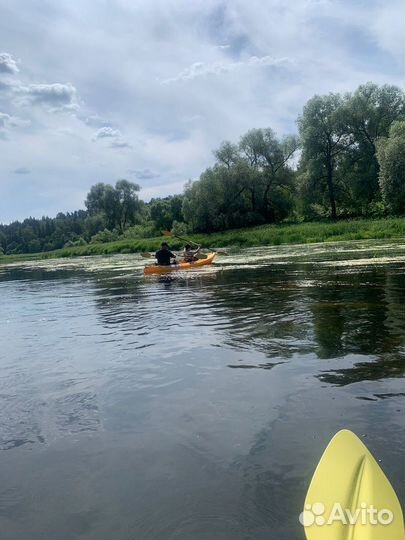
<point>300,233</point>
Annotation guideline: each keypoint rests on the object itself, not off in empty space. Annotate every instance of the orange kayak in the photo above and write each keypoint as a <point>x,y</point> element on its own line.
<point>157,269</point>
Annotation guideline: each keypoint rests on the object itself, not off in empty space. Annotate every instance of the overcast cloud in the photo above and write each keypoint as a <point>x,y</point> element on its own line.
<point>146,90</point>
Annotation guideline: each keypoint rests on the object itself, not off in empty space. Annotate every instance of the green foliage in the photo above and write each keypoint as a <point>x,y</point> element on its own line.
<point>250,183</point>
<point>93,224</point>
<point>165,211</point>
<point>393,228</point>
<point>391,157</point>
<point>339,166</point>
<point>146,230</point>
<point>179,228</point>
<point>324,138</point>
<point>119,206</point>
<point>32,235</point>
<point>129,204</point>
<point>104,236</point>
<point>368,114</point>
<point>377,209</point>
<point>75,243</point>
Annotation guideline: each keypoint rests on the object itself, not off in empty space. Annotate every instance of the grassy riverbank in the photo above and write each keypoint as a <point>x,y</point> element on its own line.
<point>300,233</point>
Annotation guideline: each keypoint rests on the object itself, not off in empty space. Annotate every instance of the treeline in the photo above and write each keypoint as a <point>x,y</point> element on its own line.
<point>348,160</point>
<point>112,212</point>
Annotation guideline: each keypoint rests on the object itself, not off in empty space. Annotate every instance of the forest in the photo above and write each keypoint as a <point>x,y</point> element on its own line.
<point>346,161</point>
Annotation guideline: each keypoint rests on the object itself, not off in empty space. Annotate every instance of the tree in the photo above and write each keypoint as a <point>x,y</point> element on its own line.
<point>129,204</point>
<point>94,224</point>
<point>3,242</point>
<point>368,114</point>
<point>249,184</point>
<point>324,137</point>
<point>119,205</point>
<point>268,157</point>
<point>391,158</point>
<point>227,154</point>
<point>204,201</point>
<point>166,210</point>
<point>370,111</point>
<point>104,199</point>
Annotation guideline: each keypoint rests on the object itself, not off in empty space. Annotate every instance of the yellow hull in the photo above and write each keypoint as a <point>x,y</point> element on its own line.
<point>156,269</point>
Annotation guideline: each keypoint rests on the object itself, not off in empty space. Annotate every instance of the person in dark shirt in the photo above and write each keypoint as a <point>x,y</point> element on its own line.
<point>164,255</point>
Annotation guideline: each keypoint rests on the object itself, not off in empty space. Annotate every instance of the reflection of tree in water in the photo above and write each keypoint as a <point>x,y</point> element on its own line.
<point>266,310</point>
<point>390,367</point>
<point>363,314</point>
<point>280,311</point>
<point>115,294</point>
<point>351,313</point>
<point>351,316</point>
<point>127,302</point>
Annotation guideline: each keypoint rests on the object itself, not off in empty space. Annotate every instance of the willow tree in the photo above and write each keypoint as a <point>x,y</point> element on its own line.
<point>368,114</point>
<point>324,138</point>
<point>119,206</point>
<point>269,159</point>
<point>391,157</point>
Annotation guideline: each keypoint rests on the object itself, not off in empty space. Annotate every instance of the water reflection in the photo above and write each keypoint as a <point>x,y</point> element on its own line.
<point>383,368</point>
<point>275,311</point>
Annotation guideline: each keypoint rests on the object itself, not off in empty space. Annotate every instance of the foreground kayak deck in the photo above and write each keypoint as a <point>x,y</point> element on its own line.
<point>156,269</point>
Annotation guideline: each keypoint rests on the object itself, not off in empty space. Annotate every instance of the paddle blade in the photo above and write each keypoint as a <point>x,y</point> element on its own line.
<point>146,255</point>
<point>166,233</point>
<point>349,497</point>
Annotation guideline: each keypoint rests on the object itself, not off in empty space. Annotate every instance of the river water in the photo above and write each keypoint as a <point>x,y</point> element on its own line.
<point>193,406</point>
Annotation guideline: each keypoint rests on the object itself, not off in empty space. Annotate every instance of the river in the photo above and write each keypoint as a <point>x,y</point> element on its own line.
<point>193,406</point>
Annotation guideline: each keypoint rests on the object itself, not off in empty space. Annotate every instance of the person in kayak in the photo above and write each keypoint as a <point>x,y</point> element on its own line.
<point>164,255</point>
<point>190,254</point>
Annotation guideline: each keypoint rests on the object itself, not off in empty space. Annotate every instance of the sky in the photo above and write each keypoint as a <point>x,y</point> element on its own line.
<point>98,90</point>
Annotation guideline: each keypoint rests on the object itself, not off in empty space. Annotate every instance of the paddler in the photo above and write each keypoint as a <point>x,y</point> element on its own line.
<point>163,255</point>
<point>190,254</point>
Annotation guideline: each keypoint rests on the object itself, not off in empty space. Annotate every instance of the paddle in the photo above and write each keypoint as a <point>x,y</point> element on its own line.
<point>147,255</point>
<point>169,233</point>
<point>347,484</point>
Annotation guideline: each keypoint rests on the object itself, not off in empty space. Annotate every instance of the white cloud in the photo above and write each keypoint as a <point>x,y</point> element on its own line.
<point>21,170</point>
<point>107,132</point>
<point>7,122</point>
<point>120,143</point>
<point>94,120</point>
<point>57,96</point>
<point>199,69</point>
<point>8,64</point>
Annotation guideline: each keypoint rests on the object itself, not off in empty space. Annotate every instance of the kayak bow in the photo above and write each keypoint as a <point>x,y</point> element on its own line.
<point>350,498</point>
<point>158,269</point>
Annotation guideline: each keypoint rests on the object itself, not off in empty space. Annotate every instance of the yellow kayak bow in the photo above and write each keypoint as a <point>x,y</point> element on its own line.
<point>349,497</point>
